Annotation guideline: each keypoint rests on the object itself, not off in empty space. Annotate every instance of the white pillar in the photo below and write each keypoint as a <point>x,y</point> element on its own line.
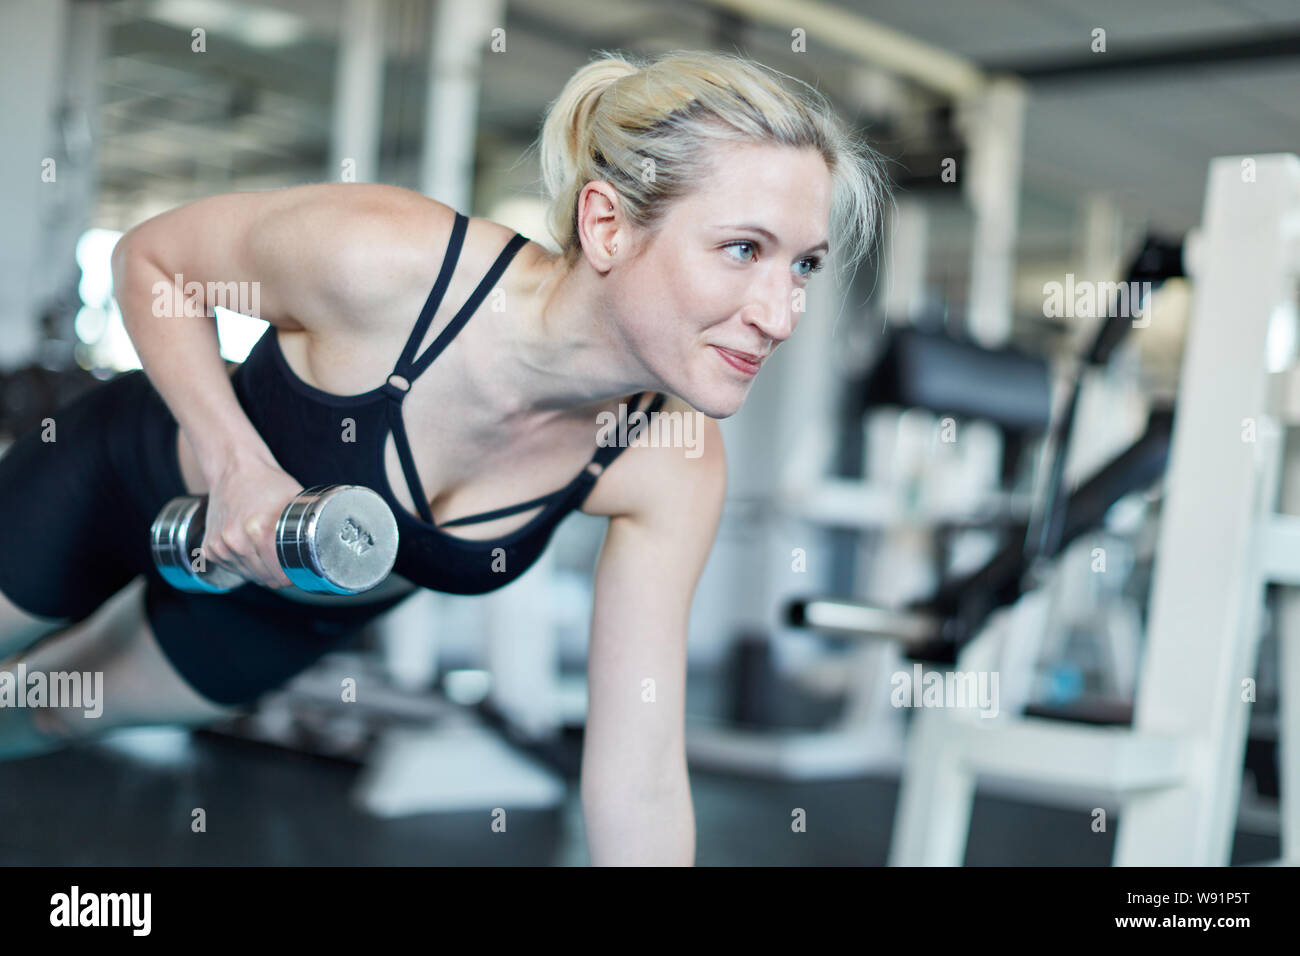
<point>358,93</point>
<point>1098,257</point>
<point>994,126</point>
<point>907,241</point>
<point>1102,251</point>
<point>75,143</point>
<point>31,56</point>
<point>461,36</point>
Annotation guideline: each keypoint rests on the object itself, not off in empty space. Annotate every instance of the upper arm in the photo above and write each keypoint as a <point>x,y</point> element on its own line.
<point>326,255</point>
<point>649,566</point>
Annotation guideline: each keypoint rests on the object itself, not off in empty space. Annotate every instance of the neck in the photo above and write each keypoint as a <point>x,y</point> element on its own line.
<point>558,353</point>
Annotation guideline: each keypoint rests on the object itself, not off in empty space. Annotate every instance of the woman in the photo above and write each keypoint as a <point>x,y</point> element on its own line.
<point>691,199</point>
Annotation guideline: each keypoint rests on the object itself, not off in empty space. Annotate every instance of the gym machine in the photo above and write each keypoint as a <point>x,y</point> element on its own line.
<point>1175,771</point>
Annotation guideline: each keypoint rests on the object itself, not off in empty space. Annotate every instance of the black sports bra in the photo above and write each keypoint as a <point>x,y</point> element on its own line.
<point>322,438</point>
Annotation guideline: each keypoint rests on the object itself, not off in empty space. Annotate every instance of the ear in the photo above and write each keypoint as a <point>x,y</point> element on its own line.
<point>602,229</point>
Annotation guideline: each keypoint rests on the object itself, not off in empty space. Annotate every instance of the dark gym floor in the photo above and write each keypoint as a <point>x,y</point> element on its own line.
<point>112,804</point>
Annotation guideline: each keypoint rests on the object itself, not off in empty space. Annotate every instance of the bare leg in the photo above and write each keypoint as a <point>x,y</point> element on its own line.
<point>23,732</point>
<point>140,687</point>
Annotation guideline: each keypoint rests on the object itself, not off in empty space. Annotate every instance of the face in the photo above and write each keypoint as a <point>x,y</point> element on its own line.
<point>717,288</point>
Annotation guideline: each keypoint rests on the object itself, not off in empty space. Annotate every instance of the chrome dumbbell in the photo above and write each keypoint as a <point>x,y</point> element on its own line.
<point>331,539</point>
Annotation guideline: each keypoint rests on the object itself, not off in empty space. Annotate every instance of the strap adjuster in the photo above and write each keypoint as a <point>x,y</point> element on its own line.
<point>396,387</point>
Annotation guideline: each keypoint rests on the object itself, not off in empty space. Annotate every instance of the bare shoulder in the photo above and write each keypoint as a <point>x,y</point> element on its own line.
<point>389,247</point>
<point>382,238</point>
<point>675,473</point>
<point>394,231</point>
<point>342,215</point>
<point>347,256</point>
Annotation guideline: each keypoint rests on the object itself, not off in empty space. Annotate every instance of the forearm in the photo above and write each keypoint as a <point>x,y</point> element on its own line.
<point>181,355</point>
<point>631,825</point>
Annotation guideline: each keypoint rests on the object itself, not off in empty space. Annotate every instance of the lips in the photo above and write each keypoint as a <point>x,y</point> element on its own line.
<point>744,361</point>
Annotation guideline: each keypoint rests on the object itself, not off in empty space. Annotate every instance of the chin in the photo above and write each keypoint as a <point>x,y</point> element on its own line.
<point>717,403</point>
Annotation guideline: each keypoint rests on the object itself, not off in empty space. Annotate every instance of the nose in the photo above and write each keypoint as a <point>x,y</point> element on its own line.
<point>772,309</point>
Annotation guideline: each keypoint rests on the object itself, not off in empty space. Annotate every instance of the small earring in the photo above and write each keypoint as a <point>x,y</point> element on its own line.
<point>613,249</point>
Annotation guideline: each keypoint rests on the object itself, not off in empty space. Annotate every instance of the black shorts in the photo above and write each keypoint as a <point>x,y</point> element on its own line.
<point>74,530</point>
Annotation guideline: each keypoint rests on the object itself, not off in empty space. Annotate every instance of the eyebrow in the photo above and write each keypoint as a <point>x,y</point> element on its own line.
<point>824,246</point>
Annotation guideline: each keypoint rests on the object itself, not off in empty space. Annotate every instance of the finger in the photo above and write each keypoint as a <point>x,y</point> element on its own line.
<point>265,572</point>
<point>275,576</point>
<point>280,579</point>
<point>239,549</point>
<point>230,564</point>
<point>260,534</point>
<point>215,555</point>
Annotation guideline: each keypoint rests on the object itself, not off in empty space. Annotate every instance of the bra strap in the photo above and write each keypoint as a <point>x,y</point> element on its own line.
<point>449,260</point>
<point>504,512</point>
<point>607,453</point>
<point>413,484</point>
<point>411,369</point>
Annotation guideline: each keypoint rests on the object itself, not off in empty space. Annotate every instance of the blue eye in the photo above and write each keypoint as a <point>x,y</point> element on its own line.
<point>814,263</point>
<point>732,245</point>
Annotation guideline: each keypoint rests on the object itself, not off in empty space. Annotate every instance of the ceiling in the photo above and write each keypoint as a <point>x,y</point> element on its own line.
<point>256,110</point>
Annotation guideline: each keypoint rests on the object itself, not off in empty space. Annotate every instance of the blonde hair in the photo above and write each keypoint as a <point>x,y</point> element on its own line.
<point>619,117</point>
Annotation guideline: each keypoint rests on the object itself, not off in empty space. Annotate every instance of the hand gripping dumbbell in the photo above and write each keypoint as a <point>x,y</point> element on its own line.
<point>330,539</point>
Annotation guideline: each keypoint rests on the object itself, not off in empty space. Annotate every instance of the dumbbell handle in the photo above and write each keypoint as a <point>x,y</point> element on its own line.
<point>334,539</point>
